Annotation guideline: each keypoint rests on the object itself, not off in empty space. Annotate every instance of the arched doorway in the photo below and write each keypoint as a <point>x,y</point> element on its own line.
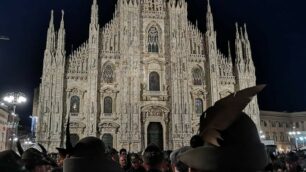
<point>155,134</point>
<point>74,138</point>
<point>108,140</point>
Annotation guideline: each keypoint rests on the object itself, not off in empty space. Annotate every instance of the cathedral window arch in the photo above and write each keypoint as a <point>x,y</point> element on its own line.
<point>108,140</point>
<point>198,106</point>
<point>153,40</point>
<point>108,105</point>
<point>75,104</point>
<point>108,74</point>
<point>154,81</point>
<point>197,75</point>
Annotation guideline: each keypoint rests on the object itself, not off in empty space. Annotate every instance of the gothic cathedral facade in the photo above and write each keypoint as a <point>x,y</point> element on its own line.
<point>145,77</point>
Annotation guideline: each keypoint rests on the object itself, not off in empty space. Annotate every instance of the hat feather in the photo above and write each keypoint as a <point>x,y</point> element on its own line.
<point>225,111</point>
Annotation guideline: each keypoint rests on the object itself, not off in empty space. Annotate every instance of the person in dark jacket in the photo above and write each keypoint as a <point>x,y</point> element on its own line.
<point>89,156</point>
<point>153,158</point>
<point>136,164</point>
<point>10,162</point>
<point>36,161</point>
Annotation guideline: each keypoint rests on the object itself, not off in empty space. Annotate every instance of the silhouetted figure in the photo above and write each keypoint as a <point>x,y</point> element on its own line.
<point>196,141</point>
<point>292,163</point>
<point>231,138</point>
<point>153,158</point>
<point>166,165</point>
<point>10,162</point>
<point>35,161</point>
<point>123,162</point>
<point>177,165</point>
<point>89,156</point>
<point>136,164</point>
<point>123,152</point>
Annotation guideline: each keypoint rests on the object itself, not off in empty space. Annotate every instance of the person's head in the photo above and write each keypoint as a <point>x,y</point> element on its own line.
<point>175,163</point>
<point>135,161</point>
<point>196,141</point>
<point>291,161</point>
<point>62,154</point>
<point>240,150</point>
<point>89,147</point>
<point>10,161</point>
<point>123,152</point>
<point>153,157</point>
<point>114,155</point>
<point>122,161</point>
<point>35,161</point>
<point>166,164</point>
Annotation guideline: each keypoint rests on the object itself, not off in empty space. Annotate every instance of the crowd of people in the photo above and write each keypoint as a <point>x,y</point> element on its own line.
<point>228,141</point>
<point>90,154</point>
<point>287,162</point>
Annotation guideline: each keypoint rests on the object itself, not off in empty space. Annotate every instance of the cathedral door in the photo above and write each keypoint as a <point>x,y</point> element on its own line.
<point>155,134</point>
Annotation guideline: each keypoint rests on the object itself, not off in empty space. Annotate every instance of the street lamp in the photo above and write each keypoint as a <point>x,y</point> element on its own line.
<point>13,99</point>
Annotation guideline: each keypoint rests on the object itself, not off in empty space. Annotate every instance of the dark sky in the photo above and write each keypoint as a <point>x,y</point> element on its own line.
<point>277,31</point>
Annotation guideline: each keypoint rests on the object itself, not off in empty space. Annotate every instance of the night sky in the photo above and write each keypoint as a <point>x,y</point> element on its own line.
<point>277,31</point>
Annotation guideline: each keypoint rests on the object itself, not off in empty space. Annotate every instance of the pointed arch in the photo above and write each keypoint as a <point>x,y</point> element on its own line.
<point>108,140</point>
<point>108,73</point>
<point>197,76</point>
<point>153,38</point>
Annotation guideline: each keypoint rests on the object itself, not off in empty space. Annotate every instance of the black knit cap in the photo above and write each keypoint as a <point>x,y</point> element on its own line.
<point>89,147</point>
<point>152,155</point>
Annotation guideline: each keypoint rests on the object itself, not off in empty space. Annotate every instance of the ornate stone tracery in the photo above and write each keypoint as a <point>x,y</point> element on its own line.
<point>113,68</point>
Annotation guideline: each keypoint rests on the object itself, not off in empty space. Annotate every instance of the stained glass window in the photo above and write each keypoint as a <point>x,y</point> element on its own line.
<point>153,40</point>
<point>197,76</point>
<point>108,103</point>
<point>154,82</point>
<point>108,74</point>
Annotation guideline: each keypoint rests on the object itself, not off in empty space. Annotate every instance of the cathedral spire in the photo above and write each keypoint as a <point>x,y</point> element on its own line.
<point>248,51</point>
<point>238,47</point>
<point>229,50</point>
<point>61,35</point>
<point>246,36</point>
<point>209,18</point>
<point>237,31</point>
<point>94,20</point>
<point>51,34</point>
